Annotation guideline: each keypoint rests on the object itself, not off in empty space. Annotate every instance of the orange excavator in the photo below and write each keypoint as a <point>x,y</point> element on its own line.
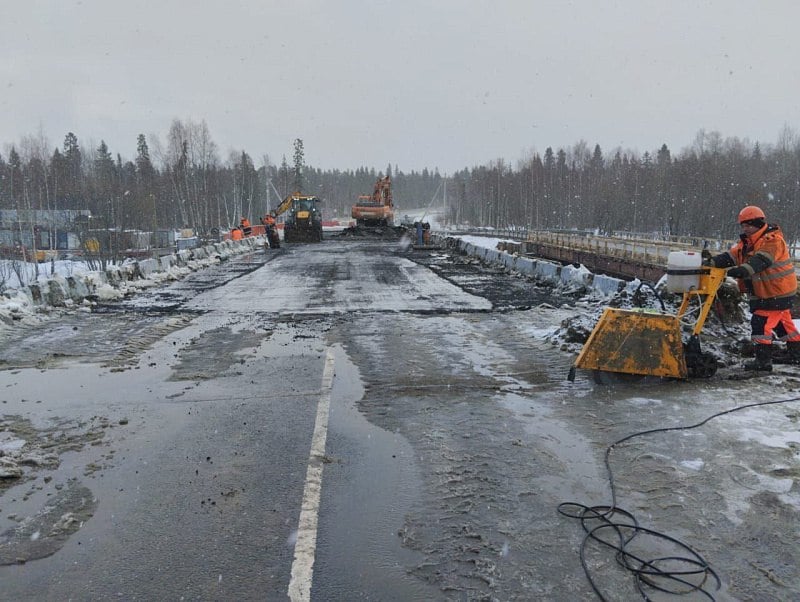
<point>376,209</point>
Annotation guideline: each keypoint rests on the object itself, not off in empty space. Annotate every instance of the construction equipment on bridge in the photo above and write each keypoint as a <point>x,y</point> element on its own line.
<point>304,221</point>
<point>637,343</point>
<point>377,209</point>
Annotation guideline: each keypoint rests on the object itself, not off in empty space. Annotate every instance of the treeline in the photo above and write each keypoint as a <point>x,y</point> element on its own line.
<point>697,192</point>
<point>183,182</point>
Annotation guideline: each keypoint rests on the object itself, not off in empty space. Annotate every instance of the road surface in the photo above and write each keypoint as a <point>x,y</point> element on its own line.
<point>356,420</point>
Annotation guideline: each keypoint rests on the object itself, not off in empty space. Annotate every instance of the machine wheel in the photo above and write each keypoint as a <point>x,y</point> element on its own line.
<point>602,377</point>
<point>702,365</point>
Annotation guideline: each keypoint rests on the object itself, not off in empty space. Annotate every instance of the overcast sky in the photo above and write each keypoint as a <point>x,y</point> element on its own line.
<point>441,84</point>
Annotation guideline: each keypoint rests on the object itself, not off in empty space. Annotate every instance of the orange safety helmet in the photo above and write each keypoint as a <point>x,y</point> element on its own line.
<point>751,212</point>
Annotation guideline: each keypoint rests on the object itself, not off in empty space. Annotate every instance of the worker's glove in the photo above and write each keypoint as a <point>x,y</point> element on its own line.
<point>708,258</point>
<point>738,272</point>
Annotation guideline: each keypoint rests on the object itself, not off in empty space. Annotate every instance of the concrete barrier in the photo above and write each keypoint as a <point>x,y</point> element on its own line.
<point>575,275</point>
<point>60,291</point>
<point>534,267</point>
<point>525,265</point>
<point>509,261</point>
<point>148,266</point>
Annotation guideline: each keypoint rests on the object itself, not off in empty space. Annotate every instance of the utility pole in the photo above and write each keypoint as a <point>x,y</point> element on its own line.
<point>444,196</point>
<point>267,181</point>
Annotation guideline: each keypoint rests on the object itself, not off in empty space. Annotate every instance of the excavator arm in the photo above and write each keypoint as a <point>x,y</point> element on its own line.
<point>286,203</point>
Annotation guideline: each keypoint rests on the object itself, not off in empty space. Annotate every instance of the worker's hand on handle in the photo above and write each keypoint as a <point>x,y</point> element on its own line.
<point>708,259</point>
<point>738,272</point>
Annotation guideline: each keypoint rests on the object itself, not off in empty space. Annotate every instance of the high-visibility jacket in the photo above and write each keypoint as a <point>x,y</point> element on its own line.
<point>236,234</point>
<point>269,221</point>
<point>245,223</point>
<point>773,281</point>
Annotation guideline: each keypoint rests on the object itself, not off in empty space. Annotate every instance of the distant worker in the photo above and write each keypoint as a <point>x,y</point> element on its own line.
<point>764,270</point>
<point>269,226</point>
<point>236,233</point>
<point>426,233</point>
<point>244,224</point>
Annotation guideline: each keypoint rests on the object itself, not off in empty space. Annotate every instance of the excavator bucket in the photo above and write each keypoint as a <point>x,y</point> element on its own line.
<point>635,342</point>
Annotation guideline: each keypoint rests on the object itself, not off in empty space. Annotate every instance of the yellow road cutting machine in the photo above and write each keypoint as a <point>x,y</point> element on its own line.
<point>637,343</point>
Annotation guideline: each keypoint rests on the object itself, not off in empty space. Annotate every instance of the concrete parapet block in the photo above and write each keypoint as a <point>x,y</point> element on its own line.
<point>575,275</point>
<point>547,270</point>
<point>148,266</point>
<point>607,285</point>
<point>508,260</point>
<point>113,275</point>
<point>56,293</point>
<point>129,271</point>
<point>525,265</point>
<point>77,288</point>
<point>35,293</point>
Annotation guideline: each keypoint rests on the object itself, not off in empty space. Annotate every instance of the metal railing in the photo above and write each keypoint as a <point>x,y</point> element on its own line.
<point>631,247</point>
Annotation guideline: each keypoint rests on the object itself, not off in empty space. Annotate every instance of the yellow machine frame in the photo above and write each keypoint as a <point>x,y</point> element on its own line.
<point>645,342</point>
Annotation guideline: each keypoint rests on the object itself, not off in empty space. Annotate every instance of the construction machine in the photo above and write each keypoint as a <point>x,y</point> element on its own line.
<point>304,220</point>
<point>376,209</point>
<point>627,344</point>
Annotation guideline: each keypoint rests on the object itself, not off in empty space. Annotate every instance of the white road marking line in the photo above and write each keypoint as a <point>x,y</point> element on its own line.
<point>305,547</point>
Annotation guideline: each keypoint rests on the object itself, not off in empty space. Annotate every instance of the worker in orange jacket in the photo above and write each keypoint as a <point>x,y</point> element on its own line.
<point>244,224</point>
<point>272,235</point>
<point>764,270</point>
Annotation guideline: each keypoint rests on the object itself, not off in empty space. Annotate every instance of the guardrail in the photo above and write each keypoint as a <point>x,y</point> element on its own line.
<point>631,248</point>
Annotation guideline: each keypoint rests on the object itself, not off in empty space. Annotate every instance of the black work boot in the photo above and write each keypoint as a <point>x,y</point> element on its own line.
<point>763,360</point>
<point>793,351</point>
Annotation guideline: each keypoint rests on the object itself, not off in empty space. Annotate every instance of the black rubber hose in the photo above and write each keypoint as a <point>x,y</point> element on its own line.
<point>647,573</point>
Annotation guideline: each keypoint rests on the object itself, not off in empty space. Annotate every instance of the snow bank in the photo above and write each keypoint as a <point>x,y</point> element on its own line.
<point>72,282</point>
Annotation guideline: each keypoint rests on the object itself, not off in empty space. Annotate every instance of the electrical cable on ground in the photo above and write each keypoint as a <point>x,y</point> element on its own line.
<point>684,574</point>
<point>652,287</point>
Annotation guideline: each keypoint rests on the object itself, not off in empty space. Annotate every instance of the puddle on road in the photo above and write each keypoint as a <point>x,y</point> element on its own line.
<point>582,476</point>
<point>46,532</point>
<point>368,487</point>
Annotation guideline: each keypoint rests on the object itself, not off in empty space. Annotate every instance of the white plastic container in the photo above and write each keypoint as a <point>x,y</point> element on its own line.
<point>683,271</point>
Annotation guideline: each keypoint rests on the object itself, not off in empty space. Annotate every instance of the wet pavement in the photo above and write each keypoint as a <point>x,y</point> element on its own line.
<point>183,419</point>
